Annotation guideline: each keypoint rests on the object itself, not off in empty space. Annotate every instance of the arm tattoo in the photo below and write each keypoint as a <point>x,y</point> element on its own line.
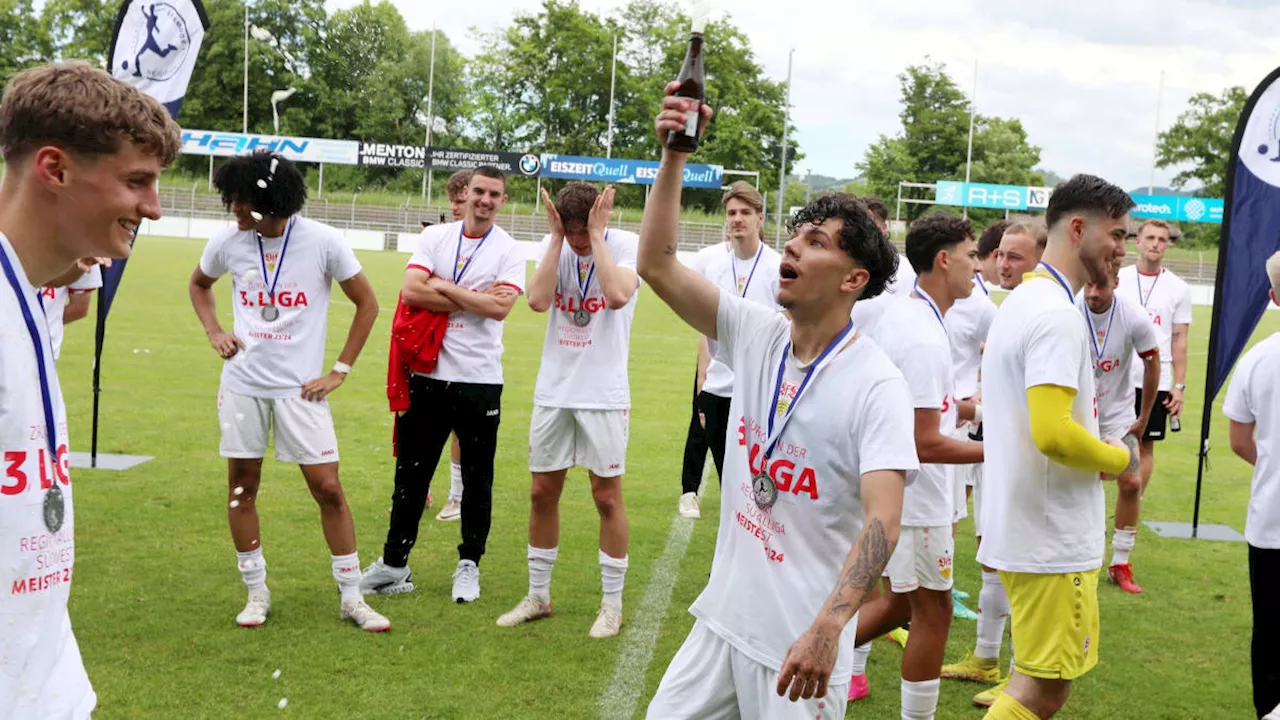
<point>868,566</point>
<point>670,249</point>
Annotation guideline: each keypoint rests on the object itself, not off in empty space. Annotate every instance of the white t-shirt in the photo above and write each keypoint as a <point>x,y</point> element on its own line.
<point>42,675</point>
<point>866,313</point>
<point>1038,516</point>
<point>1131,334</point>
<point>586,367</point>
<point>1254,397</point>
<point>774,568</point>
<point>755,281</point>
<point>287,352</point>
<point>1167,300</point>
<point>700,259</point>
<point>968,322</point>
<point>472,349</point>
<point>55,303</point>
<point>915,340</point>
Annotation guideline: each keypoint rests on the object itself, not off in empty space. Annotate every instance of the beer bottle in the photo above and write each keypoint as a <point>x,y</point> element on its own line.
<point>693,85</point>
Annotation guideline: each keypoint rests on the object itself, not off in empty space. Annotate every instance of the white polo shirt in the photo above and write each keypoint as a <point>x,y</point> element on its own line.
<point>55,303</point>
<point>774,567</point>
<point>968,322</point>
<point>41,674</point>
<point>472,349</point>
<point>1118,336</point>
<point>1038,516</point>
<point>1254,397</point>
<point>283,354</point>
<point>1167,301</point>
<point>755,279</point>
<point>586,367</point>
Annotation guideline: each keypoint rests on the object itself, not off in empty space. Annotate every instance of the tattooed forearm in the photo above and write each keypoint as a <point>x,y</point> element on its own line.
<point>670,249</point>
<point>862,571</point>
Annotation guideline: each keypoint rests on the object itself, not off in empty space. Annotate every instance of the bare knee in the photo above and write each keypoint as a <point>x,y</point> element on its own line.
<point>1042,697</point>
<point>328,493</point>
<point>544,493</point>
<point>1129,485</point>
<point>243,478</point>
<point>607,494</point>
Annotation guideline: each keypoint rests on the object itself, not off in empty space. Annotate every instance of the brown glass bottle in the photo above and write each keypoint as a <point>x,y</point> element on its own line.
<point>693,85</point>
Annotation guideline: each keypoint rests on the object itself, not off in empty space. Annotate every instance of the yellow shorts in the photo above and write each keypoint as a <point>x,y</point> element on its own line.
<point>1054,623</point>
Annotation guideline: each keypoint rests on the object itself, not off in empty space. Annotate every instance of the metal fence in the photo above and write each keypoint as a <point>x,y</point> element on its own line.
<point>408,217</point>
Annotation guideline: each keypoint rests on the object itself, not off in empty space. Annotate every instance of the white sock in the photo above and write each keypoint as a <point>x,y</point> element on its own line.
<point>920,699</point>
<point>346,570</point>
<point>1121,545</point>
<point>253,569</point>
<point>455,482</point>
<point>860,653</point>
<point>993,612</point>
<point>541,560</point>
<point>613,573</point>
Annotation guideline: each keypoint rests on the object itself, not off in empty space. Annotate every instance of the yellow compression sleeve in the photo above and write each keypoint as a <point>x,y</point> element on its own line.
<point>1065,441</point>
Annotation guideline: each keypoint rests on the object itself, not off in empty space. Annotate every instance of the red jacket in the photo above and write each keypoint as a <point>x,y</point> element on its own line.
<point>416,338</point>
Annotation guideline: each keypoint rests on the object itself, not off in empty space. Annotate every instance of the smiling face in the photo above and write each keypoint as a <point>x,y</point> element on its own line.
<point>485,197</point>
<point>101,199</point>
<point>815,271</point>
<point>1101,245</point>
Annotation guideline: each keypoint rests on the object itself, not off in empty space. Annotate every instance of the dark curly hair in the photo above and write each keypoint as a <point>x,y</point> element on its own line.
<point>285,192</point>
<point>574,203</point>
<point>936,231</point>
<point>860,237</point>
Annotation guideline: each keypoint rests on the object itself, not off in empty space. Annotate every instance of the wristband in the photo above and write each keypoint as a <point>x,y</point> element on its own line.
<point>977,414</point>
<point>341,367</point>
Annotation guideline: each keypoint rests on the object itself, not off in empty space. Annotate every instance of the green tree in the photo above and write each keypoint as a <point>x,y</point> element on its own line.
<point>24,39</point>
<point>1201,140</point>
<point>80,29</point>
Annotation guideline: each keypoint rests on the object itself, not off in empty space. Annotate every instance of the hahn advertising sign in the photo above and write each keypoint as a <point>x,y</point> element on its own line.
<point>298,149</point>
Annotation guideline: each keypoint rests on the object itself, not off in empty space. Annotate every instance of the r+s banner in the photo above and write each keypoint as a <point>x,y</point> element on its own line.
<point>1016,197</point>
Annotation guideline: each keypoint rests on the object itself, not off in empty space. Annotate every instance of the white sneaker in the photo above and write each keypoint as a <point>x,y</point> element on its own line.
<point>689,506</point>
<point>382,579</point>
<point>451,511</point>
<point>364,617</point>
<point>466,582</point>
<point>530,608</point>
<point>256,609</point>
<point>608,622</point>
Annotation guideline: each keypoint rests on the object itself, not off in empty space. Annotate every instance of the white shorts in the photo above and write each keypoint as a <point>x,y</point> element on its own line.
<point>1116,431</point>
<point>303,429</point>
<point>708,679</point>
<point>560,438</point>
<point>923,559</point>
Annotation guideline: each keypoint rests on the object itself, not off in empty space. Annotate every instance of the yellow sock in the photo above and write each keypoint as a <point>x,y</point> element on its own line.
<point>1006,708</point>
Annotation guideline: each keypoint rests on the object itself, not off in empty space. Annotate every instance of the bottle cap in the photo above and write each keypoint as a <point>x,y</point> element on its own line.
<point>699,11</point>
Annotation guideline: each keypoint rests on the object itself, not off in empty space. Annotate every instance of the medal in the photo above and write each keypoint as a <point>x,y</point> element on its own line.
<point>1144,299</point>
<point>763,489</point>
<point>1097,371</point>
<point>733,260</point>
<point>581,317</point>
<point>1099,351</point>
<point>271,312</point>
<point>55,508</point>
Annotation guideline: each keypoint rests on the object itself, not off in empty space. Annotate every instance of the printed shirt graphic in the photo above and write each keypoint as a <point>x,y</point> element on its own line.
<point>968,322</point>
<point>914,340</point>
<point>287,352</point>
<point>1254,397</point>
<point>55,304</point>
<point>1038,516</point>
<point>43,674</point>
<point>472,349</point>
<point>586,367</point>
<point>1131,334</point>
<point>763,289</point>
<point>1166,298</point>
<point>774,568</point>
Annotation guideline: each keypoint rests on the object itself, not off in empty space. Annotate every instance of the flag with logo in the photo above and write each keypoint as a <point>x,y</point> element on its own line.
<point>1250,234</point>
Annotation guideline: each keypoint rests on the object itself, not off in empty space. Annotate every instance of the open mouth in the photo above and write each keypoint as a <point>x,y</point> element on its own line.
<point>788,272</point>
<point>129,225</point>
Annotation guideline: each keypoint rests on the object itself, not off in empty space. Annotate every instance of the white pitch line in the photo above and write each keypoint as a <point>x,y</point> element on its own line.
<point>619,700</point>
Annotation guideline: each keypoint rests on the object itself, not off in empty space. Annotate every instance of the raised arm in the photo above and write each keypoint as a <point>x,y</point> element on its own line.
<point>694,298</point>
<point>546,277</point>
<point>618,284</point>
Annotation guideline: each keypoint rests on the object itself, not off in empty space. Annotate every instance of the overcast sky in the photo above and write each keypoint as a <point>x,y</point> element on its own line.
<point>1082,75</point>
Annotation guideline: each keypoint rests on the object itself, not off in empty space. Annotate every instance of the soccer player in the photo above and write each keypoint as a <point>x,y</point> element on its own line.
<point>282,266</point>
<point>815,468</point>
<point>1020,249</point>
<point>456,188</point>
<point>582,399</point>
<point>67,304</point>
<point>474,271</point>
<point>1167,300</point>
<point>1119,331</point>
<point>1253,407</point>
<point>988,252</point>
<point>914,335</point>
<point>82,153</point>
<point>1043,503</point>
<point>750,269</point>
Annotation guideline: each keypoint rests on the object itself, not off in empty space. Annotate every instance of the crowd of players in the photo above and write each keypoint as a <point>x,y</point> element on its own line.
<point>852,398</point>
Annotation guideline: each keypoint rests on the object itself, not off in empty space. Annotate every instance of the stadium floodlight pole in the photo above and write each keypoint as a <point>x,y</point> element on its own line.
<point>613,76</point>
<point>431,89</point>
<point>244,127</point>
<point>973,104</point>
<point>782,172</point>
<point>1155,143</point>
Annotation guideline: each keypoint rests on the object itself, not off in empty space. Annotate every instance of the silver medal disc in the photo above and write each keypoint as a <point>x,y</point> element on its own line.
<point>55,508</point>
<point>1097,371</point>
<point>270,313</point>
<point>764,491</point>
<point>582,318</point>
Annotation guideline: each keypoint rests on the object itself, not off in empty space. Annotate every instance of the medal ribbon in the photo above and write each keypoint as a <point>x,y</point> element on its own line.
<point>1144,299</point>
<point>583,287</point>
<point>733,259</point>
<point>458,272</point>
<point>814,369</point>
<point>1061,281</point>
<point>262,255</point>
<point>977,278</point>
<point>1093,334</point>
<point>46,394</point>
<point>932,306</point>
